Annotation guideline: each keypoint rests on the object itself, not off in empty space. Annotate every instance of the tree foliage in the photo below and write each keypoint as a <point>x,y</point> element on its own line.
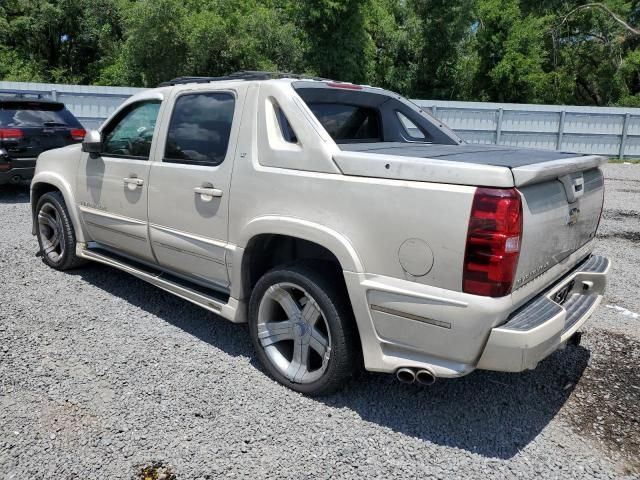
<point>549,51</point>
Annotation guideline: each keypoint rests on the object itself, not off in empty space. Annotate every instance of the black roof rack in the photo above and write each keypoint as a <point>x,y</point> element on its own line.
<point>8,95</point>
<point>243,75</point>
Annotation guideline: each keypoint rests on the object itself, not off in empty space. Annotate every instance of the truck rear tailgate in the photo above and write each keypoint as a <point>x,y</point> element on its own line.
<point>560,215</point>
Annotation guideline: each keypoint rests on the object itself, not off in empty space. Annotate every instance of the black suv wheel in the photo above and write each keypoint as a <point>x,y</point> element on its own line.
<point>55,233</point>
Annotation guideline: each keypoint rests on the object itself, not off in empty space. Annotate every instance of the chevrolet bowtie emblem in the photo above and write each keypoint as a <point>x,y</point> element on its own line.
<point>574,215</point>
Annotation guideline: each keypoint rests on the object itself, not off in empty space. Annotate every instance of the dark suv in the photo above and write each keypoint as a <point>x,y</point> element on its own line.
<point>29,127</point>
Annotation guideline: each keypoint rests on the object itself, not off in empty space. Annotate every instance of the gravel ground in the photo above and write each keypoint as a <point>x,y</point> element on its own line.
<point>104,376</point>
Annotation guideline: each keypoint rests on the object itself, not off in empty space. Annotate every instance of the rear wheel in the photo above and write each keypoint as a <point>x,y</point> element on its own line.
<point>303,330</point>
<point>55,233</point>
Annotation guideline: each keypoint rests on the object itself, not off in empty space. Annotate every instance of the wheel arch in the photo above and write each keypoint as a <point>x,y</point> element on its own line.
<point>49,182</point>
<point>320,242</point>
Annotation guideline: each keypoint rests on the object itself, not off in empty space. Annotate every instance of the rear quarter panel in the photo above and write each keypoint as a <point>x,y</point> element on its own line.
<point>376,216</point>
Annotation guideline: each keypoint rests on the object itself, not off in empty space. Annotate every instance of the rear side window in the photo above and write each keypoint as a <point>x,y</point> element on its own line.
<point>285,127</point>
<point>200,128</point>
<point>36,114</point>
<point>348,123</point>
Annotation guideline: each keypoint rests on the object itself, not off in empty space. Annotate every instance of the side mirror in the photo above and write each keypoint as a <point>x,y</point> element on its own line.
<point>92,142</point>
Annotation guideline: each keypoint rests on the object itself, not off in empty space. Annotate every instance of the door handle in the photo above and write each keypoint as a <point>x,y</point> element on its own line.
<point>138,182</point>
<point>210,192</point>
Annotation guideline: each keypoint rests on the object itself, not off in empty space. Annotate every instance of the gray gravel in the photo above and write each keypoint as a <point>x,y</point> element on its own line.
<point>104,376</point>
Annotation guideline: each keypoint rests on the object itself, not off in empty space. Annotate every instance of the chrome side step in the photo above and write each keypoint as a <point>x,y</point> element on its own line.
<point>223,305</point>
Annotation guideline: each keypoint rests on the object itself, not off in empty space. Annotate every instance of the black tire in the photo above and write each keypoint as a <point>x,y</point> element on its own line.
<point>328,293</point>
<point>65,253</point>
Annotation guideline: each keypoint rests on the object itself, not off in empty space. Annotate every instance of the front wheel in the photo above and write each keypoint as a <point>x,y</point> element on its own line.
<point>55,233</point>
<point>303,330</point>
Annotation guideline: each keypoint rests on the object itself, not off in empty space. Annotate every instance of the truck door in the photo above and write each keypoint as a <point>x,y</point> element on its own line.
<point>111,188</point>
<point>189,188</point>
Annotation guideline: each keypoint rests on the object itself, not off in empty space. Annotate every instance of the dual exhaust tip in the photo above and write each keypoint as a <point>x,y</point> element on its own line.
<point>421,376</point>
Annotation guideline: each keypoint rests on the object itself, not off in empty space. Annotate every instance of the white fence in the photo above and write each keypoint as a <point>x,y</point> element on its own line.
<point>614,132</point>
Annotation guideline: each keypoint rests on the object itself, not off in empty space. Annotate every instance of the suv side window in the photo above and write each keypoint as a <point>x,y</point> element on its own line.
<point>131,133</point>
<point>200,128</point>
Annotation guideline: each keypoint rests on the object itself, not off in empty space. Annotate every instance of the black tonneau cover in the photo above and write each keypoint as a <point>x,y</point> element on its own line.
<point>499,156</point>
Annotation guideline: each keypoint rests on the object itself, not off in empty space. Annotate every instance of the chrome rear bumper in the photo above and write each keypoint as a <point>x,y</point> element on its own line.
<point>545,323</point>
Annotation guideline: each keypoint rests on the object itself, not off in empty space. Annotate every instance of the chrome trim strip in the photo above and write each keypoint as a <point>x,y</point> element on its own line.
<point>410,316</point>
<point>188,252</point>
<point>210,241</point>
<point>114,230</point>
<point>106,214</point>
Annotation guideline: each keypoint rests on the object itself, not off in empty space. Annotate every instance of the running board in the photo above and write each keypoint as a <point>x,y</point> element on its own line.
<point>223,305</point>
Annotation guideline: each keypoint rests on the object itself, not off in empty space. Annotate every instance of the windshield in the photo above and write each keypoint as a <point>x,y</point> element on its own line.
<point>36,114</point>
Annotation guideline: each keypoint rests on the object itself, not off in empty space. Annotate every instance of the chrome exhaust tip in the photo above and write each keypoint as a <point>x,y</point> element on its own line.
<point>406,375</point>
<point>425,377</point>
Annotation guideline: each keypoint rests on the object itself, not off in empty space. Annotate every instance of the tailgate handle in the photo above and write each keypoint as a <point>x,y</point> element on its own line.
<point>573,186</point>
<point>578,185</point>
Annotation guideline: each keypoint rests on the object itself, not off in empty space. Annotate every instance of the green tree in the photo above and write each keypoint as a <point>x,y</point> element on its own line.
<point>53,40</point>
<point>598,51</point>
<point>337,43</point>
<point>551,51</point>
<point>555,52</point>
<point>394,29</point>
<point>243,36</point>
<point>154,43</point>
<point>445,26</point>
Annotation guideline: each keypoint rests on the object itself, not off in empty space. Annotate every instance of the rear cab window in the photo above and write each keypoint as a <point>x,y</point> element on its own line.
<point>347,123</point>
<point>358,114</point>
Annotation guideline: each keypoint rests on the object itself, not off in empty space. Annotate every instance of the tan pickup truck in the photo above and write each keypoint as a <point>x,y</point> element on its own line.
<point>347,226</point>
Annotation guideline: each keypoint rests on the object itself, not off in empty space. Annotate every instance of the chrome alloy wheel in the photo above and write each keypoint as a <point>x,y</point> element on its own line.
<point>294,333</point>
<point>50,230</point>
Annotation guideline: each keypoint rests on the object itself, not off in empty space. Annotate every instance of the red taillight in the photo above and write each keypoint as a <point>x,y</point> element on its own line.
<point>11,134</point>
<point>348,86</point>
<point>78,134</point>
<point>493,242</point>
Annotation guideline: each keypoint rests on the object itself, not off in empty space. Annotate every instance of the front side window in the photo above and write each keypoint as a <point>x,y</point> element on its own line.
<point>200,129</point>
<point>131,133</point>
<point>348,123</point>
